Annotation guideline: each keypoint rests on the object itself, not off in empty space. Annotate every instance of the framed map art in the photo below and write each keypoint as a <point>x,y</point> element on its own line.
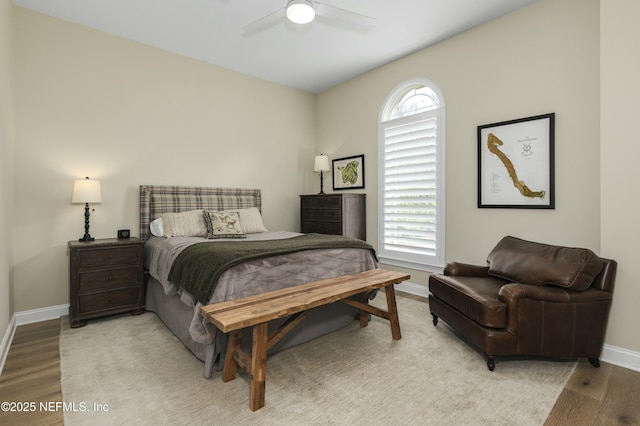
<point>516,163</point>
<point>348,172</point>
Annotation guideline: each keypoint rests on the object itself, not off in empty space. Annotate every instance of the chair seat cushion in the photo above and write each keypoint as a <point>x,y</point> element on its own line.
<point>475,297</point>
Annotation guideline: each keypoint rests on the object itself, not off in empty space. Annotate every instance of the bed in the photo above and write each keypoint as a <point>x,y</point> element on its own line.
<point>169,295</point>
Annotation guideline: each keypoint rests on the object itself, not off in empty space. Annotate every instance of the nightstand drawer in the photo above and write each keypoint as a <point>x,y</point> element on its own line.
<point>107,257</point>
<point>110,278</point>
<point>109,300</point>
<point>106,277</point>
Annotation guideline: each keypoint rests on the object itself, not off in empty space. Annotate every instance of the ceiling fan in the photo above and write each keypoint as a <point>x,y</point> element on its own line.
<point>302,12</point>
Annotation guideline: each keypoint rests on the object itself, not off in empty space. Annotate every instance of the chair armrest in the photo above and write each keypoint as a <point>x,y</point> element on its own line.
<point>537,308</point>
<point>512,293</point>
<point>465,270</point>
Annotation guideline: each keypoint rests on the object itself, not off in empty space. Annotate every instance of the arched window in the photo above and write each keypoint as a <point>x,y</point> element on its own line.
<point>411,173</point>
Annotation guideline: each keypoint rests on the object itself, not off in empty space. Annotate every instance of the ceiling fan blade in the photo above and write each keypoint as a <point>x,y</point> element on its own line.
<point>264,22</point>
<point>345,16</point>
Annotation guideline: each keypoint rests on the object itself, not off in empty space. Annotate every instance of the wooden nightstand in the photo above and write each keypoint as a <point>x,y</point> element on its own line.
<point>106,277</point>
<point>336,214</point>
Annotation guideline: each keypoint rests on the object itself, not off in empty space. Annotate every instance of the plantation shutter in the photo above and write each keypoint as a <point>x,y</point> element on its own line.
<point>409,206</point>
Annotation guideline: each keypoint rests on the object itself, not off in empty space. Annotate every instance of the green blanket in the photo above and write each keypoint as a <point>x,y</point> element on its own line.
<point>198,267</point>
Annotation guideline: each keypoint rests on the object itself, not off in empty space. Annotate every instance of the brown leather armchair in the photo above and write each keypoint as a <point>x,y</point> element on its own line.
<point>532,299</point>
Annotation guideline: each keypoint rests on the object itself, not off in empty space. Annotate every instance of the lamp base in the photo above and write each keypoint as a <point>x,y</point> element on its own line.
<point>87,237</point>
<point>321,184</point>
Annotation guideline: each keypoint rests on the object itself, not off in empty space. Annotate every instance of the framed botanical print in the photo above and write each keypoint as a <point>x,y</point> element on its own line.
<point>348,172</point>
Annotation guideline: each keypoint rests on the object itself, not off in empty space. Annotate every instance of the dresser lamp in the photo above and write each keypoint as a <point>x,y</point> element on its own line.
<point>86,191</point>
<point>321,165</point>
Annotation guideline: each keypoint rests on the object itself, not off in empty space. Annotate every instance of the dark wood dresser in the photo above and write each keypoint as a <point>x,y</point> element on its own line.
<point>336,214</point>
<point>106,277</point>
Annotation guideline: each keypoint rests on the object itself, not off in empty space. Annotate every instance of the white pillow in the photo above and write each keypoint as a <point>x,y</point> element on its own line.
<point>156,227</point>
<point>184,224</point>
<point>251,221</point>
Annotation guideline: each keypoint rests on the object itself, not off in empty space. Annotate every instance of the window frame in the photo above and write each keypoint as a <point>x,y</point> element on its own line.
<point>396,258</point>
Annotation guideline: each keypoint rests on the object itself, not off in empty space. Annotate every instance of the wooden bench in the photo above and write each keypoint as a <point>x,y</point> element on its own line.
<point>256,311</point>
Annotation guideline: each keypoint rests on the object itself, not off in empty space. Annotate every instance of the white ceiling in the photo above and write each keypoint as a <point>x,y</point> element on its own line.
<point>311,58</point>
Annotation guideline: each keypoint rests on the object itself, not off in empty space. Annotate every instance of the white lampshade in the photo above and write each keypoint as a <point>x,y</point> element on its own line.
<point>300,11</point>
<point>86,191</point>
<point>321,164</point>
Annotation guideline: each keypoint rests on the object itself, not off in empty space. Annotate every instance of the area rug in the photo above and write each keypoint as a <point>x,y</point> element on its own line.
<point>133,370</point>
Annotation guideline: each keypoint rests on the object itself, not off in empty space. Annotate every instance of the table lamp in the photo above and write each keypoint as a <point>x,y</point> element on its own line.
<point>321,165</point>
<point>86,191</point>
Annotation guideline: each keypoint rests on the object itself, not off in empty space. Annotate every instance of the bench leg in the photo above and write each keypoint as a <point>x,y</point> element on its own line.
<point>393,312</point>
<point>230,365</point>
<point>258,366</point>
<point>364,315</point>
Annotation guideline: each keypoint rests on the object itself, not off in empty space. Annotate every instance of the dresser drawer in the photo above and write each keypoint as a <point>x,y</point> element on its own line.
<point>332,228</point>
<point>335,214</point>
<point>110,278</point>
<point>107,257</point>
<point>322,214</point>
<point>321,202</point>
<point>106,300</point>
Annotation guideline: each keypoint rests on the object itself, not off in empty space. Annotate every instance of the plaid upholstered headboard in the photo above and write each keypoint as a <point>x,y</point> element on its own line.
<point>156,200</point>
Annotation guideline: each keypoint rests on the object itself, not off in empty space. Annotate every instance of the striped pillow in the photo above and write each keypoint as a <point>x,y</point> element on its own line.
<point>184,224</point>
<point>251,221</point>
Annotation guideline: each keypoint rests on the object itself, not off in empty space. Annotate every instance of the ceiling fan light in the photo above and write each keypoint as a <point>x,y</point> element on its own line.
<point>300,11</point>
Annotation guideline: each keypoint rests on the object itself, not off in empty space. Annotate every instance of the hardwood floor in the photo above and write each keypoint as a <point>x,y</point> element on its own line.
<point>609,395</point>
<point>31,376</point>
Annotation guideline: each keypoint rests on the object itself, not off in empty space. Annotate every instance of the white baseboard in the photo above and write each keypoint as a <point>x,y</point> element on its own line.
<point>42,314</point>
<point>611,354</point>
<point>5,345</point>
<point>411,288</point>
<point>621,357</point>
<point>28,317</point>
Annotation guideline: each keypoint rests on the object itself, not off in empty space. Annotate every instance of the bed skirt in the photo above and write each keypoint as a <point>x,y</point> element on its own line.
<point>178,316</point>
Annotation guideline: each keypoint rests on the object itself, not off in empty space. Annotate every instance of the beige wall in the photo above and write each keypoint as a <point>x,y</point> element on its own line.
<point>540,59</point>
<point>620,151</point>
<point>543,58</point>
<point>6,163</point>
<point>92,104</point>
